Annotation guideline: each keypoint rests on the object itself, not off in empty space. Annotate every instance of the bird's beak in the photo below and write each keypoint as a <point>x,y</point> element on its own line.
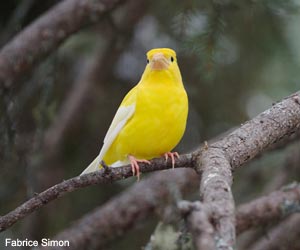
<point>159,62</point>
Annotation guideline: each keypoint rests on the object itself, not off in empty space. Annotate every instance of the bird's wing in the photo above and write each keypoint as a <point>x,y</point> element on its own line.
<point>124,113</point>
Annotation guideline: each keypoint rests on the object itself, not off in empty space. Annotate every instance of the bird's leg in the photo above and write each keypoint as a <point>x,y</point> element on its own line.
<point>135,168</point>
<point>172,155</point>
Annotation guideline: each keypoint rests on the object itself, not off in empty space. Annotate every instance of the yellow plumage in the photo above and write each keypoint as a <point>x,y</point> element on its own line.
<point>151,118</point>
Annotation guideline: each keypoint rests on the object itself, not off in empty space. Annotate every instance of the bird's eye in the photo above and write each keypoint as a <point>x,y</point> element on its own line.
<point>147,60</point>
<point>172,59</point>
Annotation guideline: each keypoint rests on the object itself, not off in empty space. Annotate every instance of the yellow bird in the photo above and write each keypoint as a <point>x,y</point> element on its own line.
<point>151,119</point>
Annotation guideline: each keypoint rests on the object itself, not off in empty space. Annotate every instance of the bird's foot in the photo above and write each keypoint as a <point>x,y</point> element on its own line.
<point>135,168</point>
<point>172,155</point>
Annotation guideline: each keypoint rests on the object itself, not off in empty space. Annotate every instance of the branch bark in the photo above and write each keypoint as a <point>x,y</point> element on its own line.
<point>284,236</point>
<point>43,36</point>
<point>272,207</point>
<point>198,221</point>
<point>215,190</point>
<point>217,161</point>
<point>106,175</point>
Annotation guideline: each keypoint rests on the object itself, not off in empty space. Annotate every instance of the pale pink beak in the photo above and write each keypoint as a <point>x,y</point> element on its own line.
<point>159,62</point>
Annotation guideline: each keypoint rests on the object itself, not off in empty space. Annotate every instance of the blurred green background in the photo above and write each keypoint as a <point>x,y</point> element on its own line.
<point>236,59</point>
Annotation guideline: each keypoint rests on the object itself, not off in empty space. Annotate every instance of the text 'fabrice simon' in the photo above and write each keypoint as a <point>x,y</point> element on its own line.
<point>35,243</point>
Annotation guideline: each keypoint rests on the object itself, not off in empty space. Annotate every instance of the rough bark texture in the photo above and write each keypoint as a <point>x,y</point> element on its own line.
<point>200,226</point>
<point>47,33</point>
<point>268,208</point>
<point>263,131</point>
<point>215,190</point>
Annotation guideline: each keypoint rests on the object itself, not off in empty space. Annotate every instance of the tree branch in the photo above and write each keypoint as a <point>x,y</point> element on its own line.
<point>215,190</point>
<point>106,175</point>
<point>274,206</point>
<point>217,161</point>
<point>284,236</point>
<point>47,33</point>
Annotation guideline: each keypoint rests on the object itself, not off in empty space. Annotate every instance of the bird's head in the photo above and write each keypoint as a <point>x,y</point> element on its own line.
<point>162,62</point>
<point>161,59</point>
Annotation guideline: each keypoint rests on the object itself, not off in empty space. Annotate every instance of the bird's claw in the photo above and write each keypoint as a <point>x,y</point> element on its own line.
<point>135,168</point>
<point>172,155</point>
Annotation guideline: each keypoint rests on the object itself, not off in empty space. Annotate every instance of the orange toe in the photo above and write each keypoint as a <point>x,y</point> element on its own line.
<point>135,168</point>
<point>172,155</point>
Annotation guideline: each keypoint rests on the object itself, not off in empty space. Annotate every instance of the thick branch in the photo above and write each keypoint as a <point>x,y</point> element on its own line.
<point>47,33</point>
<point>217,161</point>
<point>263,131</point>
<point>215,189</point>
<point>285,141</point>
<point>101,176</point>
<point>272,207</point>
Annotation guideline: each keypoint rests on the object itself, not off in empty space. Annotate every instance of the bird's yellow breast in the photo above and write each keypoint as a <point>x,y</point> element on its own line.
<point>157,125</point>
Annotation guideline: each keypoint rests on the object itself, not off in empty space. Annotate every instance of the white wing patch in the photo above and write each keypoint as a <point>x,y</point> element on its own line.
<point>92,167</point>
<point>123,114</point>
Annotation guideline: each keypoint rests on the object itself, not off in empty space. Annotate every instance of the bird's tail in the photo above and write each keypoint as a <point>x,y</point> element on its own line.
<point>92,167</point>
